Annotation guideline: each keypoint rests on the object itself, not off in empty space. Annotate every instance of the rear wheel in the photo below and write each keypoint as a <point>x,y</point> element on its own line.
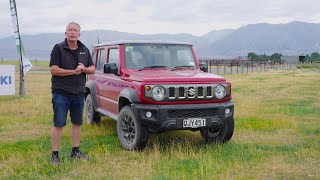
<point>92,117</point>
<point>132,135</point>
<point>219,135</point>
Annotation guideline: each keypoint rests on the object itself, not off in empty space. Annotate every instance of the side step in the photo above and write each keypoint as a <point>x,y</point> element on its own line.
<point>106,113</point>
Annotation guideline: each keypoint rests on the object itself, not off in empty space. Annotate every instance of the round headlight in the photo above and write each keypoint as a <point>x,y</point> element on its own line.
<point>219,91</point>
<point>158,93</point>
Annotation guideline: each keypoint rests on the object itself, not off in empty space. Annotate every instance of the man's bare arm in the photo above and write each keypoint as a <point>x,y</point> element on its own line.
<point>90,69</point>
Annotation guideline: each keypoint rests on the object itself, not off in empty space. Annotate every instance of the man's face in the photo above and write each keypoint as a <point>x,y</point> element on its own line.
<point>72,32</point>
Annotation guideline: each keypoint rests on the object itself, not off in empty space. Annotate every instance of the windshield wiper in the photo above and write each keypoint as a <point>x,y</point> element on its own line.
<point>181,67</point>
<point>150,67</point>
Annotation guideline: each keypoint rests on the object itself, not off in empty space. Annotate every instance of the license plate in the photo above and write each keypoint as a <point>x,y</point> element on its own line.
<point>194,122</point>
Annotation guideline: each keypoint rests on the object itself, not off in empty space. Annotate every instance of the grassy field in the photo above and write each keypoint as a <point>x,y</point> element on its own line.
<point>277,135</point>
<point>37,65</point>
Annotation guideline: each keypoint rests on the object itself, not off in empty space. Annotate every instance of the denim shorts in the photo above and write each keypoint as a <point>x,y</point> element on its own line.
<point>62,104</point>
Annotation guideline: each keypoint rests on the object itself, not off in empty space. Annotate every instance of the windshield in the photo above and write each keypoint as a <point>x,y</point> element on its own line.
<point>143,56</point>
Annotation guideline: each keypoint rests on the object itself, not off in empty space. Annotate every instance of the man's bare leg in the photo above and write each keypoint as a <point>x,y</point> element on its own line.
<point>56,134</point>
<point>75,135</point>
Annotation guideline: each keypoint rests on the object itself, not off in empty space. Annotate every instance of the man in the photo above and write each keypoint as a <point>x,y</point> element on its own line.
<point>70,62</point>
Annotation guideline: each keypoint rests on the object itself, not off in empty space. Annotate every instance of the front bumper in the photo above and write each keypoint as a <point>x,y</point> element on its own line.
<point>170,117</point>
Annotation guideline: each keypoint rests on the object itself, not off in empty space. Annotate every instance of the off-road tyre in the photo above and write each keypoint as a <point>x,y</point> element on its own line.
<point>132,135</point>
<point>219,135</point>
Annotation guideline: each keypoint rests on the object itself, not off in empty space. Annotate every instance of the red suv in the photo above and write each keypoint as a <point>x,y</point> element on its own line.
<point>156,86</point>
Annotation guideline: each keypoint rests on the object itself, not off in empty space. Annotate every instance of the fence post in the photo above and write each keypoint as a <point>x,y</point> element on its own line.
<point>252,67</point>
<point>1,60</point>
<point>259,67</point>
<point>241,68</point>
<point>247,68</point>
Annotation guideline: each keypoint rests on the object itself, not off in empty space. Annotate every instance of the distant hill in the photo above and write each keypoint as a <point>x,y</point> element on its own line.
<point>40,46</point>
<point>294,38</point>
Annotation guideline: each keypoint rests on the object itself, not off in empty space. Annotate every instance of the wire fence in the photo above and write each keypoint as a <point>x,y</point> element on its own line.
<point>213,66</point>
<point>245,66</point>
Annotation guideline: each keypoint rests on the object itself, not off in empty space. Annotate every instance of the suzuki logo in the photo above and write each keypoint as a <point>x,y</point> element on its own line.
<point>191,92</point>
<point>5,80</point>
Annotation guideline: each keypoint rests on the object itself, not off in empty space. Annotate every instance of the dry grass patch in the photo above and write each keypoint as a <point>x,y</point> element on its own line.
<point>285,137</point>
<point>279,167</point>
<point>122,165</point>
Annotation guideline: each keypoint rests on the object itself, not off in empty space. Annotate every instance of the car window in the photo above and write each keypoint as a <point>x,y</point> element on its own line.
<point>113,56</point>
<point>138,56</point>
<point>101,59</point>
<point>93,55</point>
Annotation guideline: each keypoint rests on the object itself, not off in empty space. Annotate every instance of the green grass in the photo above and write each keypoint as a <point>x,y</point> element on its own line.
<point>277,136</point>
<point>315,65</point>
<point>34,63</point>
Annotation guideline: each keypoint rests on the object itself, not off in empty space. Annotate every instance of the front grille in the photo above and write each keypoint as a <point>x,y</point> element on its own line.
<point>187,92</point>
<point>191,113</point>
<point>190,92</point>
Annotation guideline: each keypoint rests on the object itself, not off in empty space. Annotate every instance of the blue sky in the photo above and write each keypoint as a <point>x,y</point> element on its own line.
<point>195,17</point>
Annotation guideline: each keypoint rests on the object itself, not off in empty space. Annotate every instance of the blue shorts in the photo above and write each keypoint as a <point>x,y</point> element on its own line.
<point>62,104</point>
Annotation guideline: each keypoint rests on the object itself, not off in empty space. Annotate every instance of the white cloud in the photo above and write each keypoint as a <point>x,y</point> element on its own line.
<point>153,16</point>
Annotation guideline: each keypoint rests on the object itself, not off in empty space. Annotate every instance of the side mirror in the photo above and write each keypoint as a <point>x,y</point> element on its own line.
<point>110,68</point>
<point>203,67</point>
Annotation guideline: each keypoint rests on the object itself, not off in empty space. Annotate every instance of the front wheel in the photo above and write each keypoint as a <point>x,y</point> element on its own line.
<point>219,135</point>
<point>132,135</point>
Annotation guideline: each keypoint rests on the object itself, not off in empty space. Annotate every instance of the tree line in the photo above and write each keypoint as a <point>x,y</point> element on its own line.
<point>276,57</point>
<point>314,57</point>
<point>256,57</point>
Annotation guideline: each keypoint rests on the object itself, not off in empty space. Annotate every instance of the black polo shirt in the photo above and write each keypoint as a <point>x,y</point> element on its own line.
<point>66,58</point>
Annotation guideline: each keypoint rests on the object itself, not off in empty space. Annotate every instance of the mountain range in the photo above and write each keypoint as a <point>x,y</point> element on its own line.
<point>295,38</point>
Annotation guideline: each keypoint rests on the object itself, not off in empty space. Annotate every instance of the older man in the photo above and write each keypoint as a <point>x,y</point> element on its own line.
<point>70,62</point>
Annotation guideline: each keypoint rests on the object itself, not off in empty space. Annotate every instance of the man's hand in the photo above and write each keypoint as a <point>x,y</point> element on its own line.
<point>80,69</point>
<point>77,72</point>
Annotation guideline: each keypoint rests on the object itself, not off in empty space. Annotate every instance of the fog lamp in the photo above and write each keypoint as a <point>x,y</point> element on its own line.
<point>148,114</point>
<point>227,111</point>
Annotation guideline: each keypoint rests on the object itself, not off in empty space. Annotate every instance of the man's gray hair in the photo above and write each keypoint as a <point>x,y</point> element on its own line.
<point>74,23</point>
